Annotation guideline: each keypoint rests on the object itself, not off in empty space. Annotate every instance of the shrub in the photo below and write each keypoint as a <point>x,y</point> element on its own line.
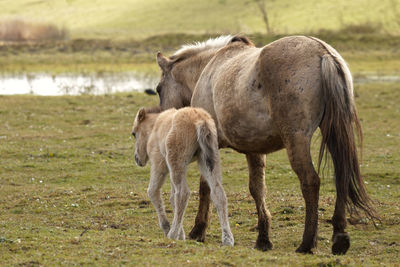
<point>17,30</point>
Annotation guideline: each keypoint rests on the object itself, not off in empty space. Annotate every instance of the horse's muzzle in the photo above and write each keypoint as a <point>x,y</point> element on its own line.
<point>138,161</point>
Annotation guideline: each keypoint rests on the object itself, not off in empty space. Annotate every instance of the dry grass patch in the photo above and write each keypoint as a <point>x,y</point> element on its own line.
<point>18,30</point>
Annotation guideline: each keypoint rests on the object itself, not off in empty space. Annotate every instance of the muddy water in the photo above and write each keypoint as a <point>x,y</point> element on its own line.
<point>105,83</point>
<point>73,84</point>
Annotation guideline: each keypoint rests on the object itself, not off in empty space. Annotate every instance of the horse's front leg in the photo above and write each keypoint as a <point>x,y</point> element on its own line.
<point>203,214</point>
<point>256,164</point>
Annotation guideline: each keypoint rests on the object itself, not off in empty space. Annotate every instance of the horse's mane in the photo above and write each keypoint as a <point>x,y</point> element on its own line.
<point>213,43</point>
<point>190,49</point>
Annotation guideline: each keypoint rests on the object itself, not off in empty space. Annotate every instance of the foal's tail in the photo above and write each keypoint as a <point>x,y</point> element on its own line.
<point>208,141</point>
<point>339,126</point>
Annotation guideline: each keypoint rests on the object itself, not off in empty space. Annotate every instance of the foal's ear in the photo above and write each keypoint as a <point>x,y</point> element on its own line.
<point>162,61</point>
<point>141,114</point>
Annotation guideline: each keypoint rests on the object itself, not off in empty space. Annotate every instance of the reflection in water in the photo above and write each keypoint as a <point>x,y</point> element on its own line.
<point>76,84</point>
<point>105,83</point>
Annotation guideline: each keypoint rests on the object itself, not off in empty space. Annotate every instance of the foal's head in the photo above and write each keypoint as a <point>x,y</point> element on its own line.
<point>141,130</point>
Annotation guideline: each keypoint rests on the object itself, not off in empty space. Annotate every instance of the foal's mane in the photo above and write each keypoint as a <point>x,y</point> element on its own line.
<point>156,109</point>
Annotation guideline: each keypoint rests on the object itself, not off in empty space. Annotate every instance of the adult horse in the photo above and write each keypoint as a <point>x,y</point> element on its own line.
<point>269,98</point>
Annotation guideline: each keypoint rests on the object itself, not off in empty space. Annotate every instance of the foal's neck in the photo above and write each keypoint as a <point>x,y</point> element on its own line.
<point>150,121</point>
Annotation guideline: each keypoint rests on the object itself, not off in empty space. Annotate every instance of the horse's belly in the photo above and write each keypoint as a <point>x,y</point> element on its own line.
<point>249,130</point>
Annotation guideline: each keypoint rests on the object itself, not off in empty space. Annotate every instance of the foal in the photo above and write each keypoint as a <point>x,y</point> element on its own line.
<point>171,140</point>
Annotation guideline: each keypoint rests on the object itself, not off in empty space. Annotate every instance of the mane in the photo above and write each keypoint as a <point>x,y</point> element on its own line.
<point>212,43</point>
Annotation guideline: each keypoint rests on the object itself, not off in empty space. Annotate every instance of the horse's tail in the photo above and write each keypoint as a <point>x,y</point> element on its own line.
<point>208,141</point>
<point>339,126</point>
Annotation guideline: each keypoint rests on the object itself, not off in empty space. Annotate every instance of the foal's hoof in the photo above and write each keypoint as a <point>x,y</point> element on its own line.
<point>228,242</point>
<point>198,233</point>
<point>341,243</point>
<point>263,244</point>
<point>176,235</point>
<point>227,239</point>
<point>304,249</point>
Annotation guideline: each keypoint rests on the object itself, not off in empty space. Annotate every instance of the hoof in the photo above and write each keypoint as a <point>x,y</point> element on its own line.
<point>263,244</point>
<point>165,227</point>
<point>228,242</point>
<point>341,243</point>
<point>304,249</point>
<point>227,238</point>
<point>198,233</point>
<point>175,235</point>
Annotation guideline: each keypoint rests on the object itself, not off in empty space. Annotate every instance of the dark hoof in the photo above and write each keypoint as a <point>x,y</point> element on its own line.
<point>198,233</point>
<point>341,243</point>
<point>304,250</point>
<point>263,244</point>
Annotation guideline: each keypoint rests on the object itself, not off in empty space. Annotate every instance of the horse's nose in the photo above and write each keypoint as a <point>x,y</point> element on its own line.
<point>138,161</point>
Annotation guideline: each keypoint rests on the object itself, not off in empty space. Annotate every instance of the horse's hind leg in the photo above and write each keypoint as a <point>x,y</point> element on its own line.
<point>256,165</point>
<point>298,149</point>
<point>214,179</point>
<point>203,214</point>
<point>340,239</point>
<point>158,174</point>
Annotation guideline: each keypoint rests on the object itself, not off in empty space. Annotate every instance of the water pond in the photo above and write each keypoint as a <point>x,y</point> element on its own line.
<point>107,83</point>
<point>76,84</point>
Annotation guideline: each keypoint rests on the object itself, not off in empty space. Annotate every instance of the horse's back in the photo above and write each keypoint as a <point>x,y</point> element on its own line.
<point>242,88</point>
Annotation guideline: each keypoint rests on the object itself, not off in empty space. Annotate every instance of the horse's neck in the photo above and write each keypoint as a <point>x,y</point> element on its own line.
<point>196,66</point>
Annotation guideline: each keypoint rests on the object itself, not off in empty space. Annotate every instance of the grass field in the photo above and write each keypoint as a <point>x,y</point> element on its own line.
<point>366,54</point>
<point>72,195</point>
<point>140,19</point>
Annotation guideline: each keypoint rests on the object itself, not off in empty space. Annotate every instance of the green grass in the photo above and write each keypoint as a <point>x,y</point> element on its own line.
<point>141,19</point>
<point>365,53</point>
<point>71,193</point>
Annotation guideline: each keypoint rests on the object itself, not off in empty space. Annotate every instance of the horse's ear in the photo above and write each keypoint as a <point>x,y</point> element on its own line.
<point>162,61</point>
<point>141,114</point>
<point>242,39</point>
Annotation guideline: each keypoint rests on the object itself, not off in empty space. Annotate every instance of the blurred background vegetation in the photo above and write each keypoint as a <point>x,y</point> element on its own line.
<point>121,19</point>
<point>119,35</point>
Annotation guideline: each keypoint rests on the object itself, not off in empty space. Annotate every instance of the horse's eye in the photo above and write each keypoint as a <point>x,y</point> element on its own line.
<point>134,135</point>
<point>158,89</point>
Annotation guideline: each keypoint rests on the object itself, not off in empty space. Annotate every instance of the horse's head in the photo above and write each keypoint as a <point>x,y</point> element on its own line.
<point>172,89</point>
<point>181,71</point>
<point>142,127</point>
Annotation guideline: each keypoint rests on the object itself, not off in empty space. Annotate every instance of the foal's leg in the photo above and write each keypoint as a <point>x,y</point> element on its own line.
<point>176,160</point>
<point>203,214</point>
<point>256,165</point>
<point>214,180</point>
<point>298,149</point>
<point>172,200</point>
<point>181,199</point>
<point>158,174</point>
